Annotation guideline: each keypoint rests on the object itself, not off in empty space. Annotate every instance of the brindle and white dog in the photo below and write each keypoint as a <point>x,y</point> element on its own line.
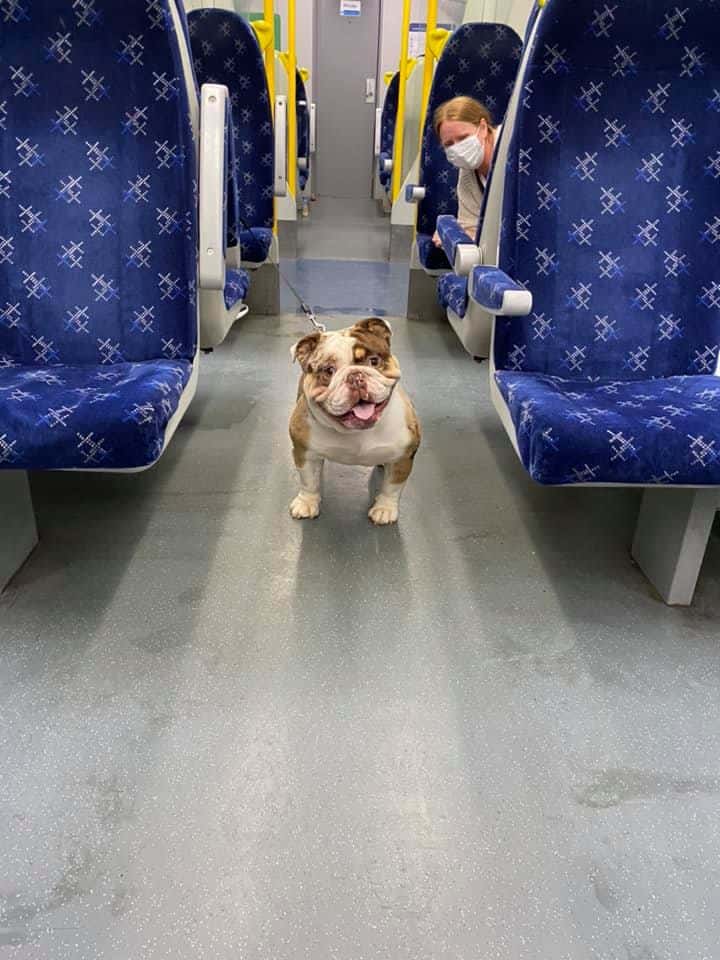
<point>351,409</point>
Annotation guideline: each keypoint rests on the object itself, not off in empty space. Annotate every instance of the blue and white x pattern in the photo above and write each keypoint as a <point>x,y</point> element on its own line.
<point>612,220</point>
<point>387,128</point>
<point>98,262</point>
<point>225,50</point>
<point>480,60</point>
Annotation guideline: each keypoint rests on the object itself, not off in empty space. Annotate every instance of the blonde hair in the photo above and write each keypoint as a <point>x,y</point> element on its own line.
<point>461,108</point>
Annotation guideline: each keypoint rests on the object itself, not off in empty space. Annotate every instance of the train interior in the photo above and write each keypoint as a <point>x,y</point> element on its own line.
<point>490,729</point>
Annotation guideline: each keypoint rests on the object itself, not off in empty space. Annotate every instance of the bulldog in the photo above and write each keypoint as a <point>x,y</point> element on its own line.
<point>351,409</point>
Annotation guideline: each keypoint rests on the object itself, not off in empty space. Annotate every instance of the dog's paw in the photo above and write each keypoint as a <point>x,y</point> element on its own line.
<point>383,511</point>
<point>305,507</point>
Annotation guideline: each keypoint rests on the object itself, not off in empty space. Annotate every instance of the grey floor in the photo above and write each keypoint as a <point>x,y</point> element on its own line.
<point>336,287</point>
<point>476,735</point>
<point>344,229</point>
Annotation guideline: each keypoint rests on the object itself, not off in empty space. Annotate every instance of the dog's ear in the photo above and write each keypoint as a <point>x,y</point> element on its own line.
<point>376,327</point>
<point>304,349</point>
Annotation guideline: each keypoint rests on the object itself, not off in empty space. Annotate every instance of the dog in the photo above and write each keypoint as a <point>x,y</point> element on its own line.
<point>351,409</point>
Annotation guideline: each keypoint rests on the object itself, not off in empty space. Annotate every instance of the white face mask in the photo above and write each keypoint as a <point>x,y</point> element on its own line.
<point>467,154</point>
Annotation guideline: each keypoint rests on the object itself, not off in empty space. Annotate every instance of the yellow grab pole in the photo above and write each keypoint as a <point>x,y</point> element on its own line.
<point>432,9</point>
<point>292,99</point>
<point>269,17</point>
<point>265,34</point>
<point>400,120</point>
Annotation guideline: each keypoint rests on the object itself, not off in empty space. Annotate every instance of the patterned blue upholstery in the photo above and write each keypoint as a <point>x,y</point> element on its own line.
<point>624,431</point>
<point>303,129</point>
<point>225,50</point>
<point>611,218</point>
<point>255,244</point>
<point>87,416</point>
<point>98,238</point>
<point>489,286</point>
<point>430,256</point>
<point>452,293</point>
<point>237,284</point>
<point>452,235</point>
<point>480,60</point>
<point>387,129</point>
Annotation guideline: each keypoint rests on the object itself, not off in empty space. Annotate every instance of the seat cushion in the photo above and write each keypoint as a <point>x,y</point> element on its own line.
<point>453,293</point>
<point>88,416</point>
<point>430,256</point>
<point>640,431</point>
<point>237,284</point>
<point>255,244</point>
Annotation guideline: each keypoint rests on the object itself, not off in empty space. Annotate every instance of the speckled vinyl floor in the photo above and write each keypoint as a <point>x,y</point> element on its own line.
<point>476,736</point>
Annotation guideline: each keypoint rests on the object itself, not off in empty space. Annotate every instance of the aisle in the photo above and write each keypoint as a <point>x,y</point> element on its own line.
<point>227,734</point>
<point>340,287</point>
<point>342,266</point>
<point>344,229</point>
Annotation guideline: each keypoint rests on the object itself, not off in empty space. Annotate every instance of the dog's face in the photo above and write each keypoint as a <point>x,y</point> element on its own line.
<point>348,375</point>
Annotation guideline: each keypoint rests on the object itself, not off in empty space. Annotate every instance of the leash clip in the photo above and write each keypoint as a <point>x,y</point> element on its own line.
<point>320,327</point>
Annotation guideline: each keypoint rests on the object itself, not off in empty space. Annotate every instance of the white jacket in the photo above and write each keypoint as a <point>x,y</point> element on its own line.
<point>470,195</point>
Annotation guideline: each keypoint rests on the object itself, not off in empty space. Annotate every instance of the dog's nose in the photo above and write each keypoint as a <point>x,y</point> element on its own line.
<point>356,380</point>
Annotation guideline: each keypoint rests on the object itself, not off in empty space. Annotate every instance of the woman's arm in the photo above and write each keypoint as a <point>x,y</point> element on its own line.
<point>469,202</point>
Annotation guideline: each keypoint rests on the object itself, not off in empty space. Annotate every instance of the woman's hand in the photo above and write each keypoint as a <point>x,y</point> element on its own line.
<point>436,239</point>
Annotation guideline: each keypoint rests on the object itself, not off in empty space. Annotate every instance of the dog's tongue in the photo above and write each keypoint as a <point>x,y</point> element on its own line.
<point>363,410</point>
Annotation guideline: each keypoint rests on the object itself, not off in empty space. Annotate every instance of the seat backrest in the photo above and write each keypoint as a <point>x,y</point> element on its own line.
<point>480,60</point>
<point>303,128</point>
<point>98,238</point>
<point>611,210</point>
<point>500,150</point>
<point>387,127</point>
<point>225,50</point>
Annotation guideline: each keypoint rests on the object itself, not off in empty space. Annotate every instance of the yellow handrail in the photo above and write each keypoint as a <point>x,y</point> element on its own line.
<point>400,120</point>
<point>265,33</point>
<point>289,61</point>
<point>437,40</point>
<point>269,17</point>
<point>431,17</point>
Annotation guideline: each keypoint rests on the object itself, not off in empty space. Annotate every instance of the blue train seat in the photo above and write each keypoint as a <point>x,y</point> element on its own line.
<point>606,340</point>
<point>303,130</point>
<point>98,234</point>
<point>462,254</point>
<point>225,50</point>
<point>387,132</point>
<point>480,60</point>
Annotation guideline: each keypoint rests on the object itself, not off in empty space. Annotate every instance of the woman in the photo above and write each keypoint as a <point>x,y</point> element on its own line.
<point>465,129</point>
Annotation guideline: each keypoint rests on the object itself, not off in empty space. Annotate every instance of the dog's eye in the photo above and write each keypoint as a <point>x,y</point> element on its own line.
<point>374,361</point>
<point>330,370</point>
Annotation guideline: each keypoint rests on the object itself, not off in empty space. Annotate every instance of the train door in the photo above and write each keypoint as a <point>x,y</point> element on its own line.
<point>346,56</point>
